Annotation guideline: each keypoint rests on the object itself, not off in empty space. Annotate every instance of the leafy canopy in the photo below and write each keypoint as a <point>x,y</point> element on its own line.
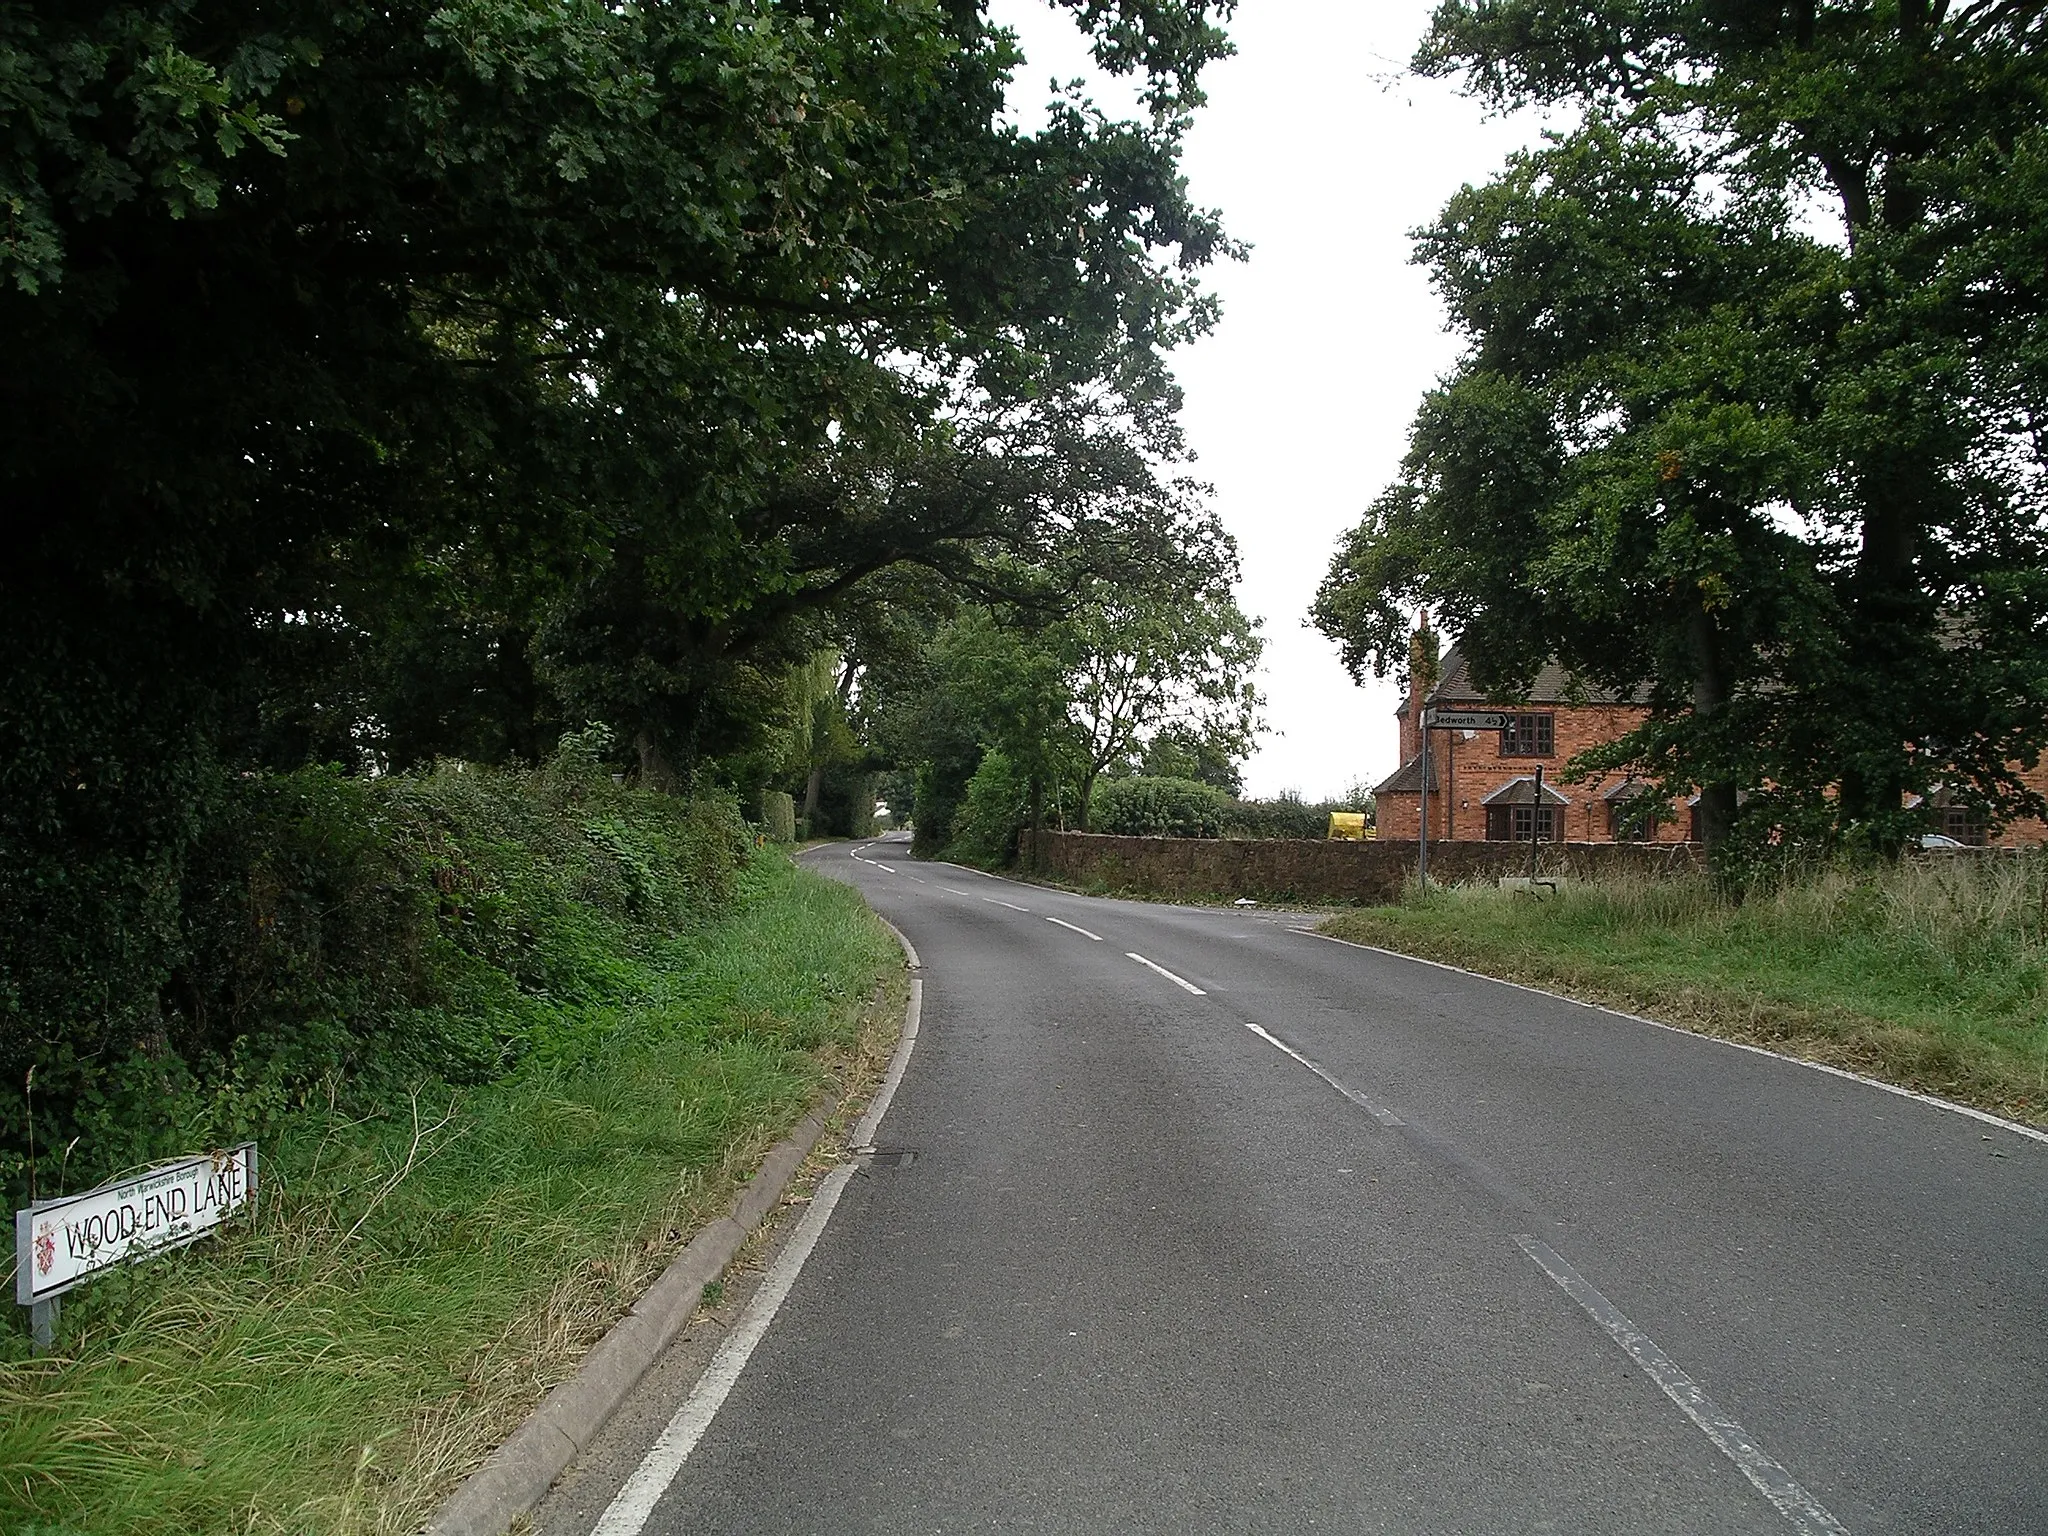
<point>1746,413</point>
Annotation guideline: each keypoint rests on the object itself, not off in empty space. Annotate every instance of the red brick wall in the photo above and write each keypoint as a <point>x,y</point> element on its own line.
<point>2028,834</point>
<point>1303,869</point>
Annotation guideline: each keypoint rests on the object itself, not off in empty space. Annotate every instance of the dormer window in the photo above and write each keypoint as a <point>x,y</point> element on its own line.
<point>1529,736</point>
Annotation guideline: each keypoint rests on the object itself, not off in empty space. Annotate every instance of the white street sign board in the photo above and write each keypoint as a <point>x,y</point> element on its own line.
<point>1465,720</point>
<point>61,1243</point>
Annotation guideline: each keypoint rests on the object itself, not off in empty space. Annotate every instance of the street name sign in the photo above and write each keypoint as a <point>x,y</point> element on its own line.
<point>1465,719</point>
<point>65,1242</point>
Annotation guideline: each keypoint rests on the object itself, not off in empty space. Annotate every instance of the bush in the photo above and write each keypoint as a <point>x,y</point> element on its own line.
<point>1287,816</point>
<point>846,802</point>
<point>359,936</point>
<point>778,816</point>
<point>1158,807</point>
<point>992,812</point>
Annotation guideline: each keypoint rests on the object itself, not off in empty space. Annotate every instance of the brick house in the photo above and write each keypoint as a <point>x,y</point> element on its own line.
<point>1483,783</point>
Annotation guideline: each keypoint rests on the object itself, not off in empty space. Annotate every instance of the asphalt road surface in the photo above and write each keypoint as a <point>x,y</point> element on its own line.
<point>1190,1221</point>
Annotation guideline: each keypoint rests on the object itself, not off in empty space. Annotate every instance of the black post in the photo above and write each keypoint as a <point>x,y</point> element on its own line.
<point>1536,822</point>
<point>1422,827</point>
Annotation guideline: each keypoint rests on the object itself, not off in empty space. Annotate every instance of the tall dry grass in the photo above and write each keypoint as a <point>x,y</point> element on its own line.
<point>412,1287</point>
<point>1932,973</point>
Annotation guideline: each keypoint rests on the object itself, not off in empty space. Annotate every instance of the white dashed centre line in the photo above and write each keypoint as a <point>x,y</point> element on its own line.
<point>1187,986</point>
<point>956,890</point>
<point>1385,1116</point>
<point>1076,927</point>
<point>1002,903</point>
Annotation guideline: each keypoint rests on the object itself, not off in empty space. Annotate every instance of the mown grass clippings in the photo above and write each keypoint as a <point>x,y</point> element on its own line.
<point>1932,975</point>
<point>411,1289</point>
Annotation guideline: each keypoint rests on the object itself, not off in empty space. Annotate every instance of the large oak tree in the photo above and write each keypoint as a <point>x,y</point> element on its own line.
<point>1751,409</point>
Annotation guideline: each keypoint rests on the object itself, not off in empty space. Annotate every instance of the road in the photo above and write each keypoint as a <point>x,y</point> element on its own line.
<point>1191,1221</point>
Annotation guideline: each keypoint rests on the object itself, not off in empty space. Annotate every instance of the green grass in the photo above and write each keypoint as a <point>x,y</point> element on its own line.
<point>1932,975</point>
<point>413,1286</point>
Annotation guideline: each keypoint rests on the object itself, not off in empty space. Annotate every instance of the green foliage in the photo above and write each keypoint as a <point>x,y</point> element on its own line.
<point>391,383</point>
<point>1177,657</point>
<point>1187,752</point>
<point>778,815</point>
<point>329,933</point>
<point>1765,471</point>
<point>1145,807</point>
<point>1149,806</point>
<point>1283,816</point>
<point>995,808</point>
<point>411,1286</point>
<point>1152,665</point>
<point>846,802</point>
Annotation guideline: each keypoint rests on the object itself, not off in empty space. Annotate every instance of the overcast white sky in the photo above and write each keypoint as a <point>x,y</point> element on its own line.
<point>1322,154</point>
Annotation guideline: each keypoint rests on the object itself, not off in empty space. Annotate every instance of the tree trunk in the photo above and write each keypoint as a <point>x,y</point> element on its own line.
<point>1890,630</point>
<point>1710,692</point>
<point>656,772</point>
<point>811,787</point>
<point>1037,821</point>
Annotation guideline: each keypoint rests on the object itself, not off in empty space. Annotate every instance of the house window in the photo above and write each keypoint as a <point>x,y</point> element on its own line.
<point>1629,820</point>
<point>1511,823</point>
<point>1529,736</point>
<point>1962,823</point>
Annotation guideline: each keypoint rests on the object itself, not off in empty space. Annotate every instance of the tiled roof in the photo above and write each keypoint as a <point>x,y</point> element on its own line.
<point>1407,779</point>
<point>1523,792</point>
<point>1553,685</point>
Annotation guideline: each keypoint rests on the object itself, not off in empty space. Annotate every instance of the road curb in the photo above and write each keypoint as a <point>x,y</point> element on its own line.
<point>515,1476</point>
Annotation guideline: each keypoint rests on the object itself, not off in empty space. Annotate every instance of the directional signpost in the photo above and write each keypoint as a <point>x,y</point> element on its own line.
<point>65,1242</point>
<point>1465,719</point>
<point>1446,720</point>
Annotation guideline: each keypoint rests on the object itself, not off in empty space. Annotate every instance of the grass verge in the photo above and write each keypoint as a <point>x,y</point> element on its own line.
<point>1933,975</point>
<point>414,1284</point>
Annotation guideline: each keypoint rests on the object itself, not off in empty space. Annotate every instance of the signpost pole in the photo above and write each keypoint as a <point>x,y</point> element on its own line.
<point>1422,827</point>
<point>42,1324</point>
<point>1536,822</point>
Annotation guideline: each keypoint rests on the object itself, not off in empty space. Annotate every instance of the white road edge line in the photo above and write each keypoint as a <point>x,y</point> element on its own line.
<point>1162,970</point>
<point>1002,903</point>
<point>864,1131</point>
<point>1982,1115</point>
<point>628,1512</point>
<point>633,1505</point>
<point>1076,927</point>
<point>1771,1480</point>
<point>910,954</point>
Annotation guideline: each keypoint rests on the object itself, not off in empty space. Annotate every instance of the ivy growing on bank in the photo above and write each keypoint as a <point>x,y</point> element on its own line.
<point>345,940</point>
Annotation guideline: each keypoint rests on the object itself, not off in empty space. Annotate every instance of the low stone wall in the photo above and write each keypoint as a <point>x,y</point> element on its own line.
<point>1301,869</point>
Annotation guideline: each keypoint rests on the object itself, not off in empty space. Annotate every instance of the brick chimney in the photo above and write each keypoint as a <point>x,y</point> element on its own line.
<point>1423,666</point>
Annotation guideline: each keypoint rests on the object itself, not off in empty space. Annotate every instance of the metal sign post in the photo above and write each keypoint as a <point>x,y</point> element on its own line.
<point>1447,720</point>
<point>42,1324</point>
<point>1422,827</point>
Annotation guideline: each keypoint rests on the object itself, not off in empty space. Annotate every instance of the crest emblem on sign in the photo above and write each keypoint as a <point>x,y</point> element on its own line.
<point>46,1249</point>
